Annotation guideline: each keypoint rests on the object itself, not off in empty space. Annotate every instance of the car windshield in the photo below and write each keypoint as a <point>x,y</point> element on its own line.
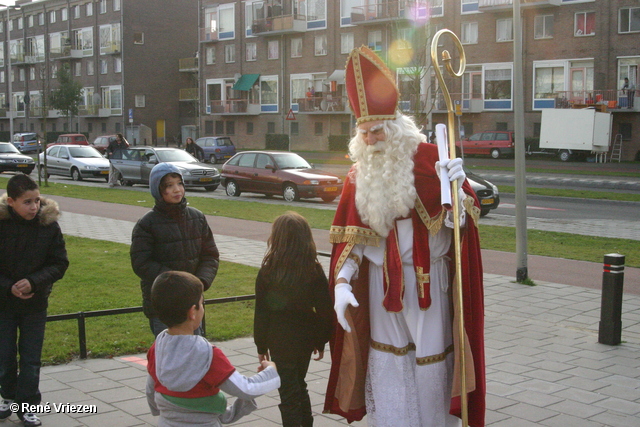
<point>8,148</point>
<point>291,161</point>
<point>83,152</point>
<point>175,156</point>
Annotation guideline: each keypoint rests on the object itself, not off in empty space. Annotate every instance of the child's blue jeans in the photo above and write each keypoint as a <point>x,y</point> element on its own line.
<point>23,334</point>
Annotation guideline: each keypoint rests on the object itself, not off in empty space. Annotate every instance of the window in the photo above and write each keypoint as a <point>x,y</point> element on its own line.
<point>64,14</point>
<point>469,33</point>
<point>273,49</point>
<point>30,21</point>
<point>504,30</point>
<point>345,128</point>
<point>230,53</point>
<point>10,25</point>
<point>208,127</point>
<point>117,64</point>
<point>83,39</point>
<point>251,52</point>
<point>32,73</point>
<point>112,99</point>
<point>20,22</point>
<point>1,62</point>
<point>210,55</point>
<point>271,127</point>
<point>90,68</point>
<point>77,69</point>
<point>140,101</point>
<point>52,17</point>
<point>103,127</point>
<point>497,87</point>
<point>35,48</point>
<point>103,66</point>
<point>21,74</point>
<point>89,9</point>
<point>469,6</point>
<point>374,40</point>
<point>296,47</point>
<point>629,20</point>
<point>318,128</point>
<point>138,37</point>
<point>543,27</point>
<point>316,12</point>
<point>249,128</point>
<point>320,44</point>
<point>41,18</point>
<point>76,11</point>
<point>585,24</point>
<point>269,93</point>
<point>220,129</point>
<point>231,127</point>
<point>346,43</point>
<point>109,38</point>
<point>549,81</point>
<point>293,128</point>
<point>54,71</point>
<point>58,43</point>
<point>436,8</point>
<point>219,22</point>
<point>103,6</point>
<point>116,5</point>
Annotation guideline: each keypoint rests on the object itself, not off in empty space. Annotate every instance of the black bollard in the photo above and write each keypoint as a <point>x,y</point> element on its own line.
<point>611,306</point>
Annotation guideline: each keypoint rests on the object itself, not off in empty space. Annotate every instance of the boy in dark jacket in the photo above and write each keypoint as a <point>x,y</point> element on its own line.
<point>32,258</point>
<point>173,236</point>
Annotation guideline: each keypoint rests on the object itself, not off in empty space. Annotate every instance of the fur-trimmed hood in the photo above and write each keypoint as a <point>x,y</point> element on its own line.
<point>49,210</point>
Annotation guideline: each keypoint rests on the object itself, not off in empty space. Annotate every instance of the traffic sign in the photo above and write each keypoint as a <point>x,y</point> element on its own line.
<point>290,115</point>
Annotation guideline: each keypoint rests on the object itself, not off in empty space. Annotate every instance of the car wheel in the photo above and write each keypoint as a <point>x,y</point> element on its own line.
<point>27,172</point>
<point>212,159</point>
<point>564,155</point>
<point>232,189</point>
<point>290,193</point>
<point>210,188</point>
<point>484,212</point>
<point>106,178</point>
<point>75,175</point>
<point>495,153</point>
<point>328,199</point>
<point>41,172</point>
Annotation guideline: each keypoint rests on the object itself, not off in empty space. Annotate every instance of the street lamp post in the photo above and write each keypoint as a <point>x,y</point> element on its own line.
<point>9,79</point>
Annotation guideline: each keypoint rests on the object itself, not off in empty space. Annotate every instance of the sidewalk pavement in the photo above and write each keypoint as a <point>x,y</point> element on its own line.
<point>544,364</point>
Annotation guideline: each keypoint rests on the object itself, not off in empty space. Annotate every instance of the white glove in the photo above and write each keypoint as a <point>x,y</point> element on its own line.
<point>455,171</point>
<point>344,297</point>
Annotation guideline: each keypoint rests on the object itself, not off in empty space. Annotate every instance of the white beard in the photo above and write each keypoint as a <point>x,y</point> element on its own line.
<point>385,189</point>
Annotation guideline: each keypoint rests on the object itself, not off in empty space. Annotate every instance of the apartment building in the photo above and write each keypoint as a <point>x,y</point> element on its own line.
<point>277,66</point>
<point>124,53</point>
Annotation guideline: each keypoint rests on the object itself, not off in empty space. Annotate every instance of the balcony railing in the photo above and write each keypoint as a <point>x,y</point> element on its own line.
<point>282,24</point>
<point>390,10</point>
<point>502,5</point>
<point>234,106</point>
<point>189,64</point>
<point>208,35</point>
<point>110,48</point>
<point>189,94</point>
<point>321,104</point>
<point>613,99</point>
<point>88,110</point>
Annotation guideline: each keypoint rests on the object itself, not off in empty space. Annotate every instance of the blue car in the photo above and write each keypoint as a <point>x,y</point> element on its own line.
<point>26,142</point>
<point>217,148</point>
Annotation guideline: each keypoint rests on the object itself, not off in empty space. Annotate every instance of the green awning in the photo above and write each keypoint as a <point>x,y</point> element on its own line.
<point>245,82</point>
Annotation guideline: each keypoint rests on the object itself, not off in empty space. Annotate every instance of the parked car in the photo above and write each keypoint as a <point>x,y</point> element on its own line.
<point>77,161</point>
<point>217,148</point>
<point>281,173</point>
<point>70,138</point>
<point>135,164</point>
<point>26,142</point>
<point>487,193</point>
<point>494,143</point>
<point>12,160</point>
<point>101,143</point>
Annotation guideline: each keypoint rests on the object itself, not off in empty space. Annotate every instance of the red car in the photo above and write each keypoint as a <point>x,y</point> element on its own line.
<point>278,173</point>
<point>494,143</point>
<point>70,138</point>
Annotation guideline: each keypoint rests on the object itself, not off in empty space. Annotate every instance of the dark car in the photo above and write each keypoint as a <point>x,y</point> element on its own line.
<point>217,148</point>
<point>76,161</point>
<point>494,143</point>
<point>135,163</point>
<point>101,143</point>
<point>486,192</point>
<point>280,173</point>
<point>12,160</point>
<point>26,142</point>
<point>70,138</point>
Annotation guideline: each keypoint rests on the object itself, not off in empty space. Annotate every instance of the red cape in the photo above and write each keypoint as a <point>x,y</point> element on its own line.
<point>345,390</point>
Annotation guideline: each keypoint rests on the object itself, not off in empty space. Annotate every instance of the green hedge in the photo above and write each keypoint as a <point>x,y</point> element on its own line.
<point>277,141</point>
<point>338,142</point>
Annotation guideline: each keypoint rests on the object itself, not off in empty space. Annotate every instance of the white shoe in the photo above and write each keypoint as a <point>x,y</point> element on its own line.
<point>5,409</point>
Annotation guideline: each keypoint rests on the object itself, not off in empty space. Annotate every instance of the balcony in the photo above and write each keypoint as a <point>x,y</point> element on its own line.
<point>88,110</point>
<point>110,48</point>
<point>189,65</point>
<point>387,11</point>
<point>282,24</point>
<point>504,5</point>
<point>234,107</point>
<point>611,100</point>
<point>36,111</point>
<point>208,35</point>
<point>469,103</point>
<point>66,52</point>
<point>189,94</point>
<point>323,104</point>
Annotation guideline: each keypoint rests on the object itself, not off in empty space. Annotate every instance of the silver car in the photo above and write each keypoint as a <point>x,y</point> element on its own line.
<point>135,163</point>
<point>77,161</point>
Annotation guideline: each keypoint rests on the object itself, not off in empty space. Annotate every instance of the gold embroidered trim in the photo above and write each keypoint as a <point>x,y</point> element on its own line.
<point>428,360</point>
<point>341,259</point>
<point>388,348</point>
<point>356,235</point>
<point>422,279</point>
<point>355,257</point>
<point>472,209</point>
<point>433,224</point>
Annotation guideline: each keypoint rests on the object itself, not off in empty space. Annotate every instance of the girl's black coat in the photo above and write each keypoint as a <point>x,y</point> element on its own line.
<point>292,320</point>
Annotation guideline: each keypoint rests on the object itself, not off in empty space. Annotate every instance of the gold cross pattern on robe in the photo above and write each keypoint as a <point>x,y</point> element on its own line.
<point>422,279</point>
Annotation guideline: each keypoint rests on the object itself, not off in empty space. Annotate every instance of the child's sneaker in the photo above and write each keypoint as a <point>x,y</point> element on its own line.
<point>5,409</point>
<point>29,419</point>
